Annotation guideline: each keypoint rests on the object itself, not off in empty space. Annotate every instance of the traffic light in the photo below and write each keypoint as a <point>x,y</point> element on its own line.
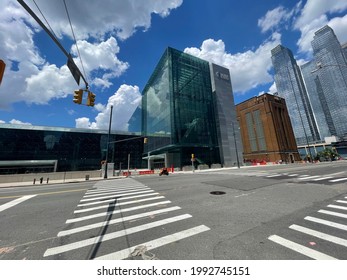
<point>2,69</point>
<point>91,99</point>
<point>145,140</point>
<point>193,156</point>
<point>77,98</point>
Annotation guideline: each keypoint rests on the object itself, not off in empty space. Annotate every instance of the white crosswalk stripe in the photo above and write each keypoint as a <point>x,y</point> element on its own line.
<point>116,209</point>
<point>323,227</point>
<point>307,178</point>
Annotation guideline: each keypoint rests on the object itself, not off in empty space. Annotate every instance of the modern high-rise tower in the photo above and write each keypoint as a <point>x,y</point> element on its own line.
<point>331,77</point>
<point>188,113</point>
<point>290,86</point>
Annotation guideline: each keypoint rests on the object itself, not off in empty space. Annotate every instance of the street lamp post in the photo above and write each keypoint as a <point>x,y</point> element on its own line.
<point>108,142</point>
<point>237,154</point>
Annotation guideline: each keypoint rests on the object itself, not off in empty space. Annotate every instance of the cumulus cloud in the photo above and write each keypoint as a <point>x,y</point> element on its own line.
<point>14,121</point>
<point>248,70</point>
<point>124,102</point>
<point>273,18</point>
<point>91,19</point>
<point>31,78</point>
<point>317,13</point>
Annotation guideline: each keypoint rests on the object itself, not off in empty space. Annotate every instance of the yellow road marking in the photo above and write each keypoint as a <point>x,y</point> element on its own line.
<point>47,193</point>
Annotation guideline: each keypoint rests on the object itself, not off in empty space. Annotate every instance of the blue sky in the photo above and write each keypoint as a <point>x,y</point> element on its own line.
<point>120,43</point>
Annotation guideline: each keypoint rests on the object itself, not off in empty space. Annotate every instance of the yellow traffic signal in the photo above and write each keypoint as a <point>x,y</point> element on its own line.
<point>145,140</point>
<point>77,98</point>
<point>91,99</point>
<point>2,69</point>
<point>193,156</point>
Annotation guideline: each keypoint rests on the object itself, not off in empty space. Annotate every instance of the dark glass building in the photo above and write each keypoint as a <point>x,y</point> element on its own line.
<point>26,149</point>
<point>188,107</point>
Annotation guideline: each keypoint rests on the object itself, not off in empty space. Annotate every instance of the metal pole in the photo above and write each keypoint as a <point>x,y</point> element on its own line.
<point>128,163</point>
<point>237,154</point>
<point>108,142</point>
<point>27,8</point>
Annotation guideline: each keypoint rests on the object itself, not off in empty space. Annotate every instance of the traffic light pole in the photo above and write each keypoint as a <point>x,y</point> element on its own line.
<point>108,142</point>
<point>75,68</point>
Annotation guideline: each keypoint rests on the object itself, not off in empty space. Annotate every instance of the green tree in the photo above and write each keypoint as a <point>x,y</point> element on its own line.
<point>327,154</point>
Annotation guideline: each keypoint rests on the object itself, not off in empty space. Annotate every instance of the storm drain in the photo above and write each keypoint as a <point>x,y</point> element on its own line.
<point>217,192</point>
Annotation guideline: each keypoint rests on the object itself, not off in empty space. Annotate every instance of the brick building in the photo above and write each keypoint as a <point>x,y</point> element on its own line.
<point>266,130</point>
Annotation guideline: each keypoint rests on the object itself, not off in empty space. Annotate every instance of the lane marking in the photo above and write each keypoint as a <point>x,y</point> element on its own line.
<point>116,212</point>
<point>116,221</point>
<point>113,235</point>
<point>117,204</point>
<point>113,200</point>
<point>337,206</point>
<point>275,175</point>
<point>15,202</point>
<point>91,191</point>
<point>327,223</point>
<point>123,254</point>
<point>113,195</point>
<point>333,213</point>
<point>321,235</point>
<point>113,191</point>
<point>116,193</point>
<point>323,178</point>
<point>341,201</point>
<point>308,178</point>
<point>338,180</point>
<point>313,254</point>
<point>47,193</point>
<point>293,175</point>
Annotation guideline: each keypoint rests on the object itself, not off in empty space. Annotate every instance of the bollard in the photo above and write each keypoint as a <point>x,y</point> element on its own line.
<point>41,180</point>
<point>34,181</point>
<point>47,180</point>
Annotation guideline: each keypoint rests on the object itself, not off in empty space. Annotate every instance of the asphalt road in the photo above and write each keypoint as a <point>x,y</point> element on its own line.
<point>266,212</point>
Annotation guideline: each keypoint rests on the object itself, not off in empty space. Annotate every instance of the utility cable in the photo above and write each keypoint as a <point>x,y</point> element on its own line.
<point>73,34</point>
<point>45,19</point>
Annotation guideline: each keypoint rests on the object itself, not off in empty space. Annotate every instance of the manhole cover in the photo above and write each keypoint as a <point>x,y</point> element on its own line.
<point>217,193</point>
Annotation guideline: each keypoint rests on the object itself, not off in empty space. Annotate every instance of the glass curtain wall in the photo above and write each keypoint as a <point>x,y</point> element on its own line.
<point>178,110</point>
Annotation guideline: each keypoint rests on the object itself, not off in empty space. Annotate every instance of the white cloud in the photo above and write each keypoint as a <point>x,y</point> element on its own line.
<point>124,101</point>
<point>34,79</point>
<point>93,19</point>
<point>317,13</point>
<point>14,121</point>
<point>248,70</point>
<point>272,18</point>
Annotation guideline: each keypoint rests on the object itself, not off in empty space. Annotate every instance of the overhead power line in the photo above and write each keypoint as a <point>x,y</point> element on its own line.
<point>73,34</point>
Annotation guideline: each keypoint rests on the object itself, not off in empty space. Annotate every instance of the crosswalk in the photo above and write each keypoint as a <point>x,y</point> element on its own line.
<point>119,217</point>
<point>326,178</point>
<point>320,236</point>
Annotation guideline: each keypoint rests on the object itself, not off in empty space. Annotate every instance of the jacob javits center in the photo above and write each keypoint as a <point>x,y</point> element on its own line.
<point>188,116</point>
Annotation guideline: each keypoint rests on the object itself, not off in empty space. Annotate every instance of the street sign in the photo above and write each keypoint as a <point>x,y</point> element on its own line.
<point>2,69</point>
<point>74,69</point>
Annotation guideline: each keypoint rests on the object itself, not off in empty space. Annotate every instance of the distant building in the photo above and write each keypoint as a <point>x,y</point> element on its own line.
<point>30,149</point>
<point>188,105</point>
<point>266,130</point>
<point>290,85</point>
<point>331,78</point>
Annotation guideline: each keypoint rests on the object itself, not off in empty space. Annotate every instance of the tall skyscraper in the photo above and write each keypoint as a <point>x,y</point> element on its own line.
<point>331,77</point>
<point>290,86</point>
<point>318,101</point>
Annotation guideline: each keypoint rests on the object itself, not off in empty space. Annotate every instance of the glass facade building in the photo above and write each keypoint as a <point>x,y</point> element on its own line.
<point>181,115</point>
<point>318,101</point>
<point>331,78</point>
<point>27,149</point>
<point>290,86</point>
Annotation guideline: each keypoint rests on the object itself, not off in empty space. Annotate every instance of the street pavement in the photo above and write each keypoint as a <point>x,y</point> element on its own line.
<point>272,212</point>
